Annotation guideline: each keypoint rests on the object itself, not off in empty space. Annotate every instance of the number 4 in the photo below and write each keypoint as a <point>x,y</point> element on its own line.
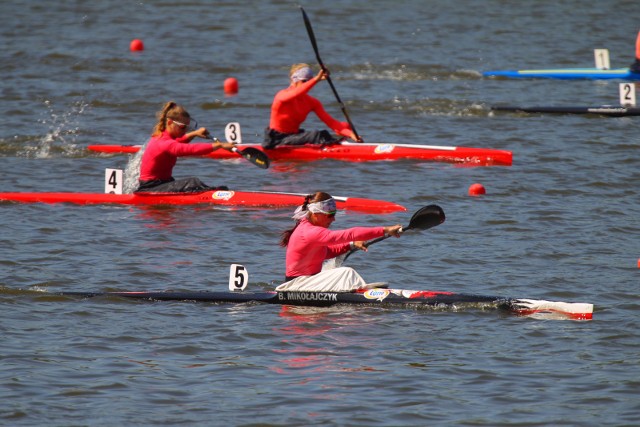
<point>238,277</point>
<point>113,181</point>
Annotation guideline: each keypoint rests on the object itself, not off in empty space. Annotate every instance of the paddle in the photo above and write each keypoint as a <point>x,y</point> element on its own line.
<point>425,218</point>
<point>255,156</point>
<point>312,38</point>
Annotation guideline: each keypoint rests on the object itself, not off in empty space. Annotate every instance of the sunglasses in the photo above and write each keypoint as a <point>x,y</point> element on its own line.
<point>189,127</point>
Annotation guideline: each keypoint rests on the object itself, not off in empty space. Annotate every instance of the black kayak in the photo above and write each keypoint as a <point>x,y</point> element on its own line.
<point>376,297</point>
<point>604,110</point>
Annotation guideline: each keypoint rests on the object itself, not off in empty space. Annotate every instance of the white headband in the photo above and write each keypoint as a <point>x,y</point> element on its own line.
<point>325,206</point>
<point>302,74</point>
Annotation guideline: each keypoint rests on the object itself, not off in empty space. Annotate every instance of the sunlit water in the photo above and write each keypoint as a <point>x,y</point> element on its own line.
<point>560,224</point>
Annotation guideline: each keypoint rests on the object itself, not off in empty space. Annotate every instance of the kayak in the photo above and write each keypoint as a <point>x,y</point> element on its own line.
<point>567,74</point>
<point>375,297</point>
<point>604,110</point>
<point>226,198</point>
<point>357,152</point>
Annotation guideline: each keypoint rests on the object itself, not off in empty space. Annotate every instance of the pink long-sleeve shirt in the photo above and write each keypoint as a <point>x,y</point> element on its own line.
<point>161,155</point>
<point>309,245</point>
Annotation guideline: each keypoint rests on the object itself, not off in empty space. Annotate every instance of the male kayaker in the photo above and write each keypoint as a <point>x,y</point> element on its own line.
<point>170,140</point>
<point>635,67</point>
<point>309,242</point>
<point>292,105</point>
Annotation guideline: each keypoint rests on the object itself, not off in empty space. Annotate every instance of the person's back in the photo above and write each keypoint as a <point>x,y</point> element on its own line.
<point>290,109</point>
<point>635,67</point>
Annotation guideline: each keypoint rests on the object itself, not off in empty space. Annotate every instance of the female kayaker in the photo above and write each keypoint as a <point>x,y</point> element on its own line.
<point>170,140</point>
<point>310,242</point>
<point>290,109</point>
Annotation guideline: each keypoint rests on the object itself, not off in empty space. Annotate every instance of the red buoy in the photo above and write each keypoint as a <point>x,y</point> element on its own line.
<point>231,86</point>
<point>476,189</point>
<point>136,45</point>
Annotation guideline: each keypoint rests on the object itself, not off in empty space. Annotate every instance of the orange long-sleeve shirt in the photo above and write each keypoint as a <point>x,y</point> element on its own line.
<point>292,105</point>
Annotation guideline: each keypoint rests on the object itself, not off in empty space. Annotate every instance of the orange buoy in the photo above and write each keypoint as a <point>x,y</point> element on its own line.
<point>136,45</point>
<point>477,189</point>
<point>231,86</point>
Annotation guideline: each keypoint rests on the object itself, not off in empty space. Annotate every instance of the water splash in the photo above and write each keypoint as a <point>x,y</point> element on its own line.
<point>132,171</point>
<point>63,129</point>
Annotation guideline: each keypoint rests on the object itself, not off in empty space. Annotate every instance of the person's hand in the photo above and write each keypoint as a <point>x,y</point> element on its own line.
<point>323,74</point>
<point>360,244</point>
<point>227,145</point>
<point>219,144</point>
<point>202,133</point>
<point>346,131</point>
<point>393,230</point>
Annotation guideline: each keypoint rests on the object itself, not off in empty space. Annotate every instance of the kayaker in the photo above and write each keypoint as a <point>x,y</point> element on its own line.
<point>292,105</point>
<point>310,242</point>
<point>170,140</point>
<point>635,67</point>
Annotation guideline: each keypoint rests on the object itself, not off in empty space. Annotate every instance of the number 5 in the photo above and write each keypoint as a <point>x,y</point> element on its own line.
<point>238,277</point>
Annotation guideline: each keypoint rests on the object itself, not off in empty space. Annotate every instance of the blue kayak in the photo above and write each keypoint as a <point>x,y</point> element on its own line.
<point>566,73</point>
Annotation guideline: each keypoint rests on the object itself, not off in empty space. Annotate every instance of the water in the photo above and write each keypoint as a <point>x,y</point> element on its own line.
<point>560,224</point>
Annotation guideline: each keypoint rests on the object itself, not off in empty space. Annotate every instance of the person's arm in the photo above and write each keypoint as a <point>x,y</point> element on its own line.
<point>329,237</point>
<point>201,133</point>
<point>392,230</point>
<point>295,91</point>
<point>341,128</point>
<point>188,137</point>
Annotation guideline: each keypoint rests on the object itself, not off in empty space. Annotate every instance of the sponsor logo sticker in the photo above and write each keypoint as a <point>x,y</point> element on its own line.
<point>378,294</point>
<point>384,148</point>
<point>222,195</point>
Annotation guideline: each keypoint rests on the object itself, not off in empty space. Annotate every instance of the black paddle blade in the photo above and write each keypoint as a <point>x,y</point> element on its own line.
<point>255,156</point>
<point>312,37</point>
<point>426,217</point>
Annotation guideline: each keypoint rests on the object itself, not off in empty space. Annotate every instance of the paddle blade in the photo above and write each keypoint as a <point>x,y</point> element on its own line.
<point>426,217</point>
<point>312,37</point>
<point>255,156</point>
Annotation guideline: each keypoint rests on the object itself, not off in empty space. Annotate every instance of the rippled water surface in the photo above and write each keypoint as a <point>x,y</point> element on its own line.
<point>560,224</point>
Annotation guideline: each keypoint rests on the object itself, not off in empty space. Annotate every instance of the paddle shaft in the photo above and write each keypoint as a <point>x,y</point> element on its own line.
<point>425,218</point>
<point>314,44</point>
<point>250,154</point>
<point>371,242</point>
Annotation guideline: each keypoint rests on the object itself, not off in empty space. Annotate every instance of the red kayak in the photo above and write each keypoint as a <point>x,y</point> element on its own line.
<point>265,199</point>
<point>357,152</point>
